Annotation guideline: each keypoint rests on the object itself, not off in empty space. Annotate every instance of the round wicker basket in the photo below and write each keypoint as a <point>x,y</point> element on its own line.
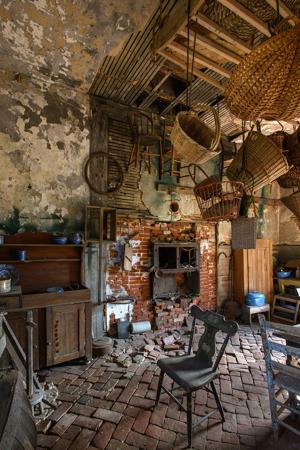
<point>266,83</point>
<point>265,163</point>
<point>192,139</point>
<point>293,203</point>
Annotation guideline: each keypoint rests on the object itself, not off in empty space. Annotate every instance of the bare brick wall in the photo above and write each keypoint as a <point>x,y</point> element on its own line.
<point>137,281</point>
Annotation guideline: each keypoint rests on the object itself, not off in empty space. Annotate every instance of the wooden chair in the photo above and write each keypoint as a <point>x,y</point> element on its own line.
<point>144,137</point>
<point>280,377</point>
<point>193,372</point>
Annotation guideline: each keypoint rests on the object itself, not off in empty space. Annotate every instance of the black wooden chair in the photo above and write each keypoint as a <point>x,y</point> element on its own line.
<point>193,372</point>
<point>283,374</point>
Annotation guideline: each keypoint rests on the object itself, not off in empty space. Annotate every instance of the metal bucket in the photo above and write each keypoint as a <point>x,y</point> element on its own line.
<point>5,285</point>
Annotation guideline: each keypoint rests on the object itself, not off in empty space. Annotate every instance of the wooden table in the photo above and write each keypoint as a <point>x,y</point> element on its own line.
<point>248,311</point>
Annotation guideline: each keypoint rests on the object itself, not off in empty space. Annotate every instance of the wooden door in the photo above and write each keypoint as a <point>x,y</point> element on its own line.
<point>65,329</point>
<point>253,271</point>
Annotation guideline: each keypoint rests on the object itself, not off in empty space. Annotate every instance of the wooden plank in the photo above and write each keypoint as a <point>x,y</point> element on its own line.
<point>177,19</point>
<point>213,46</point>
<point>178,62</point>
<point>207,23</point>
<point>284,11</point>
<point>154,94</point>
<point>200,59</point>
<point>246,15</point>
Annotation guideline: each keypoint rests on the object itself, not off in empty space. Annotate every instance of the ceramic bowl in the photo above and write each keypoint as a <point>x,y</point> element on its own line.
<point>283,274</point>
<point>59,240</point>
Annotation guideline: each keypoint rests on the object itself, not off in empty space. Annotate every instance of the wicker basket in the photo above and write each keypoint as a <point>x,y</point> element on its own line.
<point>292,144</point>
<point>290,179</point>
<point>266,83</point>
<point>219,200</point>
<point>293,203</point>
<point>265,163</point>
<point>192,139</point>
<point>243,231</point>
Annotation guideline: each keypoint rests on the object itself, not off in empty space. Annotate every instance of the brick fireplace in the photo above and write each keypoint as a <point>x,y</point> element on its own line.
<point>141,234</point>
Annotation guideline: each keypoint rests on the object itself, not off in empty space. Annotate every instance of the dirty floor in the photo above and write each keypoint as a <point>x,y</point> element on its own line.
<point>109,404</point>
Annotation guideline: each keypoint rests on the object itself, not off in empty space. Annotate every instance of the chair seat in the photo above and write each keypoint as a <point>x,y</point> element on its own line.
<point>188,371</point>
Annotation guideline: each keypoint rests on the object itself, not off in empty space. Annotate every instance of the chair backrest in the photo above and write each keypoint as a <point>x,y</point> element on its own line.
<point>270,345</point>
<point>141,124</point>
<point>213,323</point>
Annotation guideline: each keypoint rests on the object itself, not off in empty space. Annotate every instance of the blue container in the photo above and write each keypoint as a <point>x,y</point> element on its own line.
<point>283,274</point>
<point>61,240</point>
<point>21,255</point>
<point>255,298</point>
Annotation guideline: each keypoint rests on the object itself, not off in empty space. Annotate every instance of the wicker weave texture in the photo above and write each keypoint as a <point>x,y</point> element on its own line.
<point>264,163</point>
<point>192,139</point>
<point>243,231</point>
<point>219,201</point>
<point>266,84</point>
<point>293,203</point>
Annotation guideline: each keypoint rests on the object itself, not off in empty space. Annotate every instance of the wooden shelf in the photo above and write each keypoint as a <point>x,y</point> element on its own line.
<point>42,245</point>
<point>13,261</point>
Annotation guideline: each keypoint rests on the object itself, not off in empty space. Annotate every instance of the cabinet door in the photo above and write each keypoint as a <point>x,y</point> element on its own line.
<point>17,321</point>
<point>65,329</point>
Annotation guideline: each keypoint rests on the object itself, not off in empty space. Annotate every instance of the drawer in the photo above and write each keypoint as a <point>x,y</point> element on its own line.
<point>9,302</point>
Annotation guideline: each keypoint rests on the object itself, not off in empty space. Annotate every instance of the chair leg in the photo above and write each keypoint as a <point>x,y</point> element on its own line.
<point>220,408</point>
<point>160,381</point>
<point>189,418</point>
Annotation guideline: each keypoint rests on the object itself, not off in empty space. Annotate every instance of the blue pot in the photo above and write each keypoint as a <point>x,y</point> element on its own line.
<point>283,274</point>
<point>255,298</point>
<point>75,238</point>
<point>21,255</point>
<point>59,240</point>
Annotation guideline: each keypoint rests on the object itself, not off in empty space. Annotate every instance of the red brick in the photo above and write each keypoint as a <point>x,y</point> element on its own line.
<point>72,432</point>
<point>107,415</point>
<point>83,440</point>
<point>62,444</point>
<point>63,424</point>
<point>154,431</point>
<point>83,410</point>
<point>60,411</point>
<point>88,422</point>
<point>141,422</point>
<point>46,440</point>
<point>123,428</point>
<point>141,441</point>
<point>158,415</point>
<point>103,436</point>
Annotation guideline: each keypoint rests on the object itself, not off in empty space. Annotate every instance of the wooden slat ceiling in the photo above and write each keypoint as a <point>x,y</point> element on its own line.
<point>221,32</point>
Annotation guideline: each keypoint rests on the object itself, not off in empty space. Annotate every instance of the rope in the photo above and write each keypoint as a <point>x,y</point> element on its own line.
<point>188,54</point>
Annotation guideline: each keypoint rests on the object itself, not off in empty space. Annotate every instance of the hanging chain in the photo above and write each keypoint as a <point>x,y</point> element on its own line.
<point>188,53</point>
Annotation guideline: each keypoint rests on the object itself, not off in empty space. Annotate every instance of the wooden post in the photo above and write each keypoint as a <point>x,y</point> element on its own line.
<point>29,365</point>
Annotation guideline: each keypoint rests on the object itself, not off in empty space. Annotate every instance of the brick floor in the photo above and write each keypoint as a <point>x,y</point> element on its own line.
<point>105,406</point>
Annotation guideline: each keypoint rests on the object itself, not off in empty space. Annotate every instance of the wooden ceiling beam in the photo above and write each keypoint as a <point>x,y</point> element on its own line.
<point>200,59</point>
<point>177,19</point>
<point>284,11</point>
<point>154,94</point>
<point>180,63</point>
<point>205,22</point>
<point>246,15</point>
<point>213,46</point>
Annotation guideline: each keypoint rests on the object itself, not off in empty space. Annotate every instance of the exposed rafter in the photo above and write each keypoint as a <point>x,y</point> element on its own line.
<point>200,59</point>
<point>246,15</point>
<point>222,33</point>
<point>213,46</point>
<point>177,19</point>
<point>154,94</point>
<point>198,73</point>
<point>284,11</point>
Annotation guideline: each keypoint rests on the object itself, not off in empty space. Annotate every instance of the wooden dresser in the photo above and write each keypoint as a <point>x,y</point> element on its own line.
<point>63,319</point>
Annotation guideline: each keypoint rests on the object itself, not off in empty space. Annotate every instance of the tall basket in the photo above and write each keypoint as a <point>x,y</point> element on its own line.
<point>218,200</point>
<point>264,163</point>
<point>193,140</point>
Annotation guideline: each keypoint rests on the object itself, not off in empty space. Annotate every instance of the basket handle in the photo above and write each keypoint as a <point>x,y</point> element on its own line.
<point>200,107</point>
<point>192,175</point>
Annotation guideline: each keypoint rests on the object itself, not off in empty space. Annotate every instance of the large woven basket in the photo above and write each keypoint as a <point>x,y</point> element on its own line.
<point>290,179</point>
<point>192,139</point>
<point>292,144</point>
<point>293,203</point>
<point>266,83</point>
<point>265,163</point>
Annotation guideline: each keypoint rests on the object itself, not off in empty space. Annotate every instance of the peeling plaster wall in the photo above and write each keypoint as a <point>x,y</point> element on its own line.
<point>50,51</point>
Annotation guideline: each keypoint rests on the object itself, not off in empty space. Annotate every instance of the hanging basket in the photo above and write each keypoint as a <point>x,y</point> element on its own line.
<point>218,200</point>
<point>243,231</point>
<point>292,145</point>
<point>290,179</point>
<point>265,163</point>
<point>192,139</point>
<point>266,83</point>
<point>293,203</point>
